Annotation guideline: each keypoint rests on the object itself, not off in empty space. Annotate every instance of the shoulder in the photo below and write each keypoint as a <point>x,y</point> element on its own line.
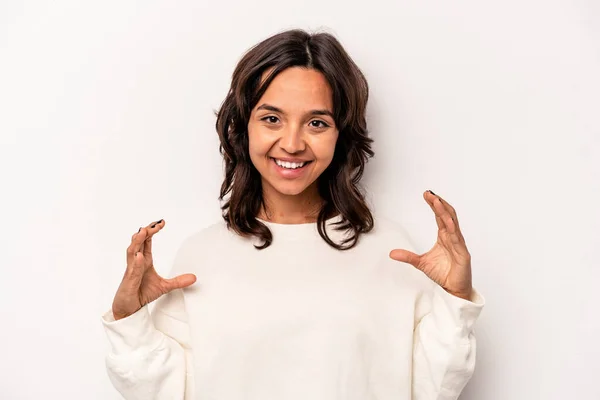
<point>212,237</point>
<point>206,236</point>
<point>393,234</point>
<point>203,244</point>
<point>389,232</point>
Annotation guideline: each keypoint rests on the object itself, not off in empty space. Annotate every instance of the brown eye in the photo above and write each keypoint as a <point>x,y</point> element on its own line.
<point>270,119</point>
<point>318,124</point>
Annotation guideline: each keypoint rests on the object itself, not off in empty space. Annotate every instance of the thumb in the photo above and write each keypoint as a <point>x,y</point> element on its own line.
<point>406,257</point>
<point>180,282</point>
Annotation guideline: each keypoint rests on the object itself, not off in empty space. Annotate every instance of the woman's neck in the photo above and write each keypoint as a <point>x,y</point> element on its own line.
<point>291,209</point>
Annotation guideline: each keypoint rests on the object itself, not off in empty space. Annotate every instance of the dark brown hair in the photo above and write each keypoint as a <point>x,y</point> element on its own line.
<point>338,185</point>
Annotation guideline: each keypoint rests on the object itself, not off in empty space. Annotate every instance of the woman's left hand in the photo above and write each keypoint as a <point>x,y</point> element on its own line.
<point>448,263</point>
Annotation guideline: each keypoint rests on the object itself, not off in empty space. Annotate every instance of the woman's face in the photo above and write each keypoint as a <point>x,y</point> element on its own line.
<point>291,131</point>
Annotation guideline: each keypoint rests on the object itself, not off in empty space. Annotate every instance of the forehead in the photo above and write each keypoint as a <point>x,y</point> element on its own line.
<point>298,88</point>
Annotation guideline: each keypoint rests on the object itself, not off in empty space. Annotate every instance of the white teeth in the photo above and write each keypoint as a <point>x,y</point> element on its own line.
<point>289,165</point>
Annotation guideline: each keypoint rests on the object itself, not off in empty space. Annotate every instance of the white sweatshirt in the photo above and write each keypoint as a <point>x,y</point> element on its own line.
<point>298,320</point>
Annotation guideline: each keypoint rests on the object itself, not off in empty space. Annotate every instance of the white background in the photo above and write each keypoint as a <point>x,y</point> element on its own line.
<point>107,123</point>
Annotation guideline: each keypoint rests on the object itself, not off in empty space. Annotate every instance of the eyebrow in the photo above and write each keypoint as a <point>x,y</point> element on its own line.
<point>278,110</point>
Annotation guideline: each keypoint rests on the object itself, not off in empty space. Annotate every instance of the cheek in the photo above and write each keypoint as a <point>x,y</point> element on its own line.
<point>256,142</point>
<point>259,145</point>
<point>326,148</point>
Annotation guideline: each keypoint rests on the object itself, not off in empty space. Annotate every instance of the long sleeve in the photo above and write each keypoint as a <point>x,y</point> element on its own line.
<point>150,356</point>
<point>150,353</point>
<point>444,344</point>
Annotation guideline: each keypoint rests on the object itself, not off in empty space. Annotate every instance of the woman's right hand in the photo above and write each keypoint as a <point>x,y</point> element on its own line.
<point>141,284</point>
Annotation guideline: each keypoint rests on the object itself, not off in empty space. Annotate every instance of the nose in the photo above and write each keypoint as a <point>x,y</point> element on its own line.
<point>292,140</point>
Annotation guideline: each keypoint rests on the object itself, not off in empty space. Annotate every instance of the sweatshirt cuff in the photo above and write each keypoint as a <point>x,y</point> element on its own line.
<point>457,311</point>
<point>131,333</point>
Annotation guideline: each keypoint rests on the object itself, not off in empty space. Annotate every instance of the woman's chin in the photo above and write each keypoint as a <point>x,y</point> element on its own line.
<point>290,190</point>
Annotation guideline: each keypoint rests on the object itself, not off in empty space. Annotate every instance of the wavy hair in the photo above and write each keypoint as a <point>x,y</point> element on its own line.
<point>338,185</point>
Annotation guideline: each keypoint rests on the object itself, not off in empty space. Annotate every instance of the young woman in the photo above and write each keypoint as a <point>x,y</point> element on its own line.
<point>298,293</point>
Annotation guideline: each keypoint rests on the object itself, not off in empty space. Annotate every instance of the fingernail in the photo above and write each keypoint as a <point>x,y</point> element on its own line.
<point>139,229</point>
<point>432,193</point>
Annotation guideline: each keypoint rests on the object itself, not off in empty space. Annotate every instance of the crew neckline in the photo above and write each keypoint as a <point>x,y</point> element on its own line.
<point>302,230</point>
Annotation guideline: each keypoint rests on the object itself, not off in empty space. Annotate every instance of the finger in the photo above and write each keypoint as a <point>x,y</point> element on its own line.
<point>444,215</point>
<point>448,214</point>
<point>179,282</point>
<point>454,220</point>
<point>453,231</point>
<point>134,273</point>
<point>151,230</point>
<point>445,211</point>
<point>451,210</point>
<point>440,223</point>
<point>405,256</point>
<point>142,240</point>
<point>137,244</point>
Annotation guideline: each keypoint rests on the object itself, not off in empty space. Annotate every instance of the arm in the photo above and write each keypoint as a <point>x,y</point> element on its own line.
<point>150,353</point>
<point>150,356</point>
<point>444,344</point>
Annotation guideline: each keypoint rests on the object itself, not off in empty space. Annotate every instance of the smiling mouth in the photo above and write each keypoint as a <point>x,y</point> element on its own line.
<point>291,165</point>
